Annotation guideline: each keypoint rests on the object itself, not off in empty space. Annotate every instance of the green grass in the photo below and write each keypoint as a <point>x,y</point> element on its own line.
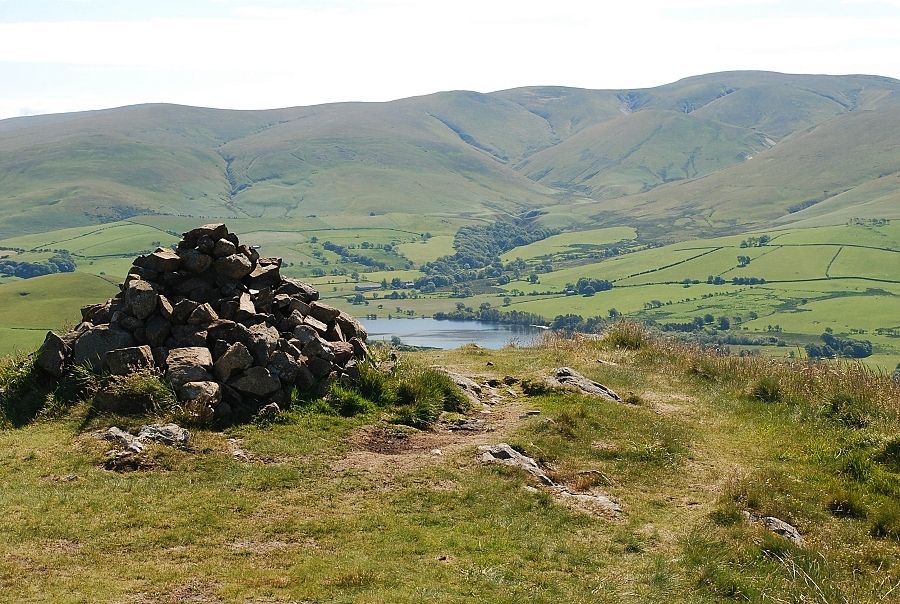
<point>571,242</point>
<point>319,517</point>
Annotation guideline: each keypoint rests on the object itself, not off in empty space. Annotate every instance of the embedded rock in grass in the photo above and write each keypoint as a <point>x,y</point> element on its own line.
<point>469,387</point>
<point>168,434</point>
<point>504,454</point>
<point>568,377</point>
<point>777,526</point>
<point>125,360</point>
<point>121,437</point>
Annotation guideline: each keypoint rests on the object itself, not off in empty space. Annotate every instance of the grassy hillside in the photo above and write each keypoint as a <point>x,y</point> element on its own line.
<point>466,154</point>
<point>318,506</point>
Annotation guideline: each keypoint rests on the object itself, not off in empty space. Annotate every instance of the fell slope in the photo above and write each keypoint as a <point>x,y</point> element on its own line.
<point>469,155</point>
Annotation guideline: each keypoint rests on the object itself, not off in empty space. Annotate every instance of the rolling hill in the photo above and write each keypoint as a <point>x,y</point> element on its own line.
<point>722,151</point>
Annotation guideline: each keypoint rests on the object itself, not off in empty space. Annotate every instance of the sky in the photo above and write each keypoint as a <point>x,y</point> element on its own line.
<point>72,55</point>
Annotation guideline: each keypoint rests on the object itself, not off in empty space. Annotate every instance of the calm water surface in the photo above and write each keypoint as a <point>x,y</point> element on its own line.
<point>450,334</point>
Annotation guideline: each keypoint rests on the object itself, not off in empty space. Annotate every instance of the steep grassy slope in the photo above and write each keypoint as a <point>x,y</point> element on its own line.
<point>637,152</point>
<point>466,154</point>
<point>843,167</point>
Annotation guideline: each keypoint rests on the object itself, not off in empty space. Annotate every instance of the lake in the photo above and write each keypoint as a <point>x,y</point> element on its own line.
<point>451,334</point>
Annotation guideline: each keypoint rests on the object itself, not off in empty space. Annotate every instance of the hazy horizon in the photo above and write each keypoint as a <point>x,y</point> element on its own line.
<point>72,55</point>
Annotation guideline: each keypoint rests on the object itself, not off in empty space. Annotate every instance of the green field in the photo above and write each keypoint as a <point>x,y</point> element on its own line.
<point>814,278</point>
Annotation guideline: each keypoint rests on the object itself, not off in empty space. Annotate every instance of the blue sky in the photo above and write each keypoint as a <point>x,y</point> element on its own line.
<point>65,55</point>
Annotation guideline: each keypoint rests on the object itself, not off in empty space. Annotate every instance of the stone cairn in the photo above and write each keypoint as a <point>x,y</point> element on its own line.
<point>219,321</point>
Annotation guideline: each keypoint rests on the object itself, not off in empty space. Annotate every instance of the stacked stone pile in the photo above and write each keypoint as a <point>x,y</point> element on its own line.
<point>219,321</point>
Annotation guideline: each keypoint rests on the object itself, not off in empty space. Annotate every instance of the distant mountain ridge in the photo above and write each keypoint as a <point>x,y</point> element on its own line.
<point>717,152</point>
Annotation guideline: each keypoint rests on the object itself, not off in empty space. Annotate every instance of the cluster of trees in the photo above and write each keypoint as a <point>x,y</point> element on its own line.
<point>698,323</point>
<point>60,262</point>
<point>478,249</point>
<point>572,323</point>
<point>756,241</point>
<point>489,314</point>
<point>835,346</point>
<point>748,281</point>
<point>348,256</point>
<point>588,287</point>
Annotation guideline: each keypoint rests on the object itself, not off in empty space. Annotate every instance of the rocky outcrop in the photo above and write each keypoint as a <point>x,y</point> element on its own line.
<point>218,321</point>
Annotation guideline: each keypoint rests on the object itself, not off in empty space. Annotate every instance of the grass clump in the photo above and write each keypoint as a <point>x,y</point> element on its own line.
<point>886,523</point>
<point>416,396</point>
<point>889,456</point>
<point>627,335</point>
<point>851,410</point>
<point>423,394</point>
<point>140,391</point>
<point>348,402</point>
<point>23,393</point>
<point>846,503</point>
<point>767,390</point>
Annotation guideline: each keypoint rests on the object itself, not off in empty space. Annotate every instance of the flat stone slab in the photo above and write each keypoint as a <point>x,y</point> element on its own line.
<point>569,378</point>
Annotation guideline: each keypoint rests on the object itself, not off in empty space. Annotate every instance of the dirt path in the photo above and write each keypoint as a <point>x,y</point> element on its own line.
<point>389,451</point>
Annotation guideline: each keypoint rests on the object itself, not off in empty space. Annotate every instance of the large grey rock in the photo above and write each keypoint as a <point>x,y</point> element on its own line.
<point>343,351</point>
<point>256,381</point>
<point>203,315</point>
<point>161,261</point>
<point>568,377</point>
<point>123,361</point>
<point>284,367</point>
<point>201,397</point>
<point>350,327</point>
<point>223,247</point>
<point>187,336</point>
<point>52,355</point>
<point>180,375</point>
<point>246,309</point>
<point>194,356</point>
<point>91,347</point>
<point>195,261</point>
<point>294,287</point>
<point>264,275</point>
<point>183,309</point>
<point>318,348</point>
<point>156,330</point>
<point>313,322</point>
<point>263,342</point>
<point>235,358</point>
<point>235,266</point>
<point>140,299</point>
<point>323,312</point>
<point>213,231</point>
